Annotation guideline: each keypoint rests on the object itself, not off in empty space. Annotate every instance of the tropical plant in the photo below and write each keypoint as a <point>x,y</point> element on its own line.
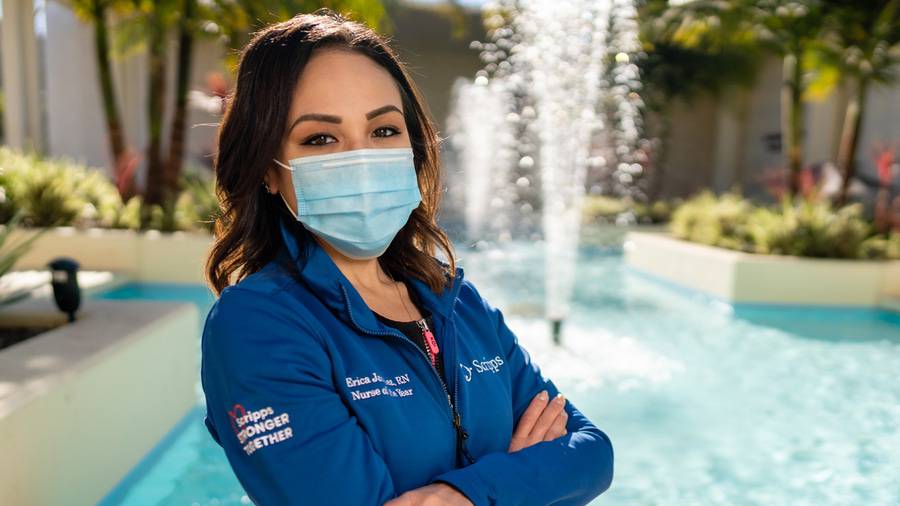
<point>880,247</point>
<point>673,71</point>
<point>797,226</point>
<point>197,207</point>
<point>861,47</point>
<point>808,228</point>
<point>712,220</point>
<point>7,206</point>
<point>96,13</point>
<point>59,192</point>
<point>147,25</point>
<point>53,192</point>
<point>786,28</point>
<point>605,209</point>
<point>11,253</point>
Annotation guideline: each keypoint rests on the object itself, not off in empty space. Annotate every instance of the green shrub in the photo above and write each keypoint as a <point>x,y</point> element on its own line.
<point>197,206</point>
<point>602,208</point>
<point>7,205</point>
<point>880,247</point>
<point>800,228</point>
<point>716,221</point>
<point>605,209</point>
<point>655,212</point>
<point>59,192</point>
<point>11,253</point>
<point>102,200</point>
<point>129,215</point>
<point>56,192</point>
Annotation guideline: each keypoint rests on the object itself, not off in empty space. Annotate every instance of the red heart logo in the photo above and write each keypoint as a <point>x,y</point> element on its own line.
<point>237,412</point>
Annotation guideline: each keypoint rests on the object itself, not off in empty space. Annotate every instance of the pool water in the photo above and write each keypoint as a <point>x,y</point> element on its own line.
<point>706,403</point>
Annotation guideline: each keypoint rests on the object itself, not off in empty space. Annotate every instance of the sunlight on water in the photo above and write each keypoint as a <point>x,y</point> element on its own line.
<point>594,358</point>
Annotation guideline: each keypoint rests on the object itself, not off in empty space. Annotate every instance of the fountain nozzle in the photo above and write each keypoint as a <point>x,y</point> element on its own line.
<point>556,330</point>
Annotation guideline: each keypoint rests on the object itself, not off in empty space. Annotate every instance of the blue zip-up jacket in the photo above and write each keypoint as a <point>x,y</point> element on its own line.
<point>315,401</point>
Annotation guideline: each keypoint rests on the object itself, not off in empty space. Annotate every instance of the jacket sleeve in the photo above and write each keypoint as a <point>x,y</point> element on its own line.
<point>570,470</point>
<point>272,406</point>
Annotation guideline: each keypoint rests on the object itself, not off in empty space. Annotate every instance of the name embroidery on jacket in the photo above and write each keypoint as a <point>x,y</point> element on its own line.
<point>375,385</point>
<point>482,366</point>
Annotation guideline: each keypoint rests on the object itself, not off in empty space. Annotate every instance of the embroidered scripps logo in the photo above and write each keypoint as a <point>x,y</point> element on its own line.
<point>481,366</point>
<point>257,429</point>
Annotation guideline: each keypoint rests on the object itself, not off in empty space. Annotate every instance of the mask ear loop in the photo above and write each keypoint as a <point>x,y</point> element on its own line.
<point>279,162</point>
<point>288,167</point>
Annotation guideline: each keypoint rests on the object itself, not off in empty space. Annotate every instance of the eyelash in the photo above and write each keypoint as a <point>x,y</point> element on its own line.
<point>309,139</point>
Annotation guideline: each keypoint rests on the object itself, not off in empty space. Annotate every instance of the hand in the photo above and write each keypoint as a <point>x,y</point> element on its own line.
<point>543,420</point>
<point>436,494</point>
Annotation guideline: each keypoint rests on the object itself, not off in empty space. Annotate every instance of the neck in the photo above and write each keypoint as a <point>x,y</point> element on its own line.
<point>366,273</point>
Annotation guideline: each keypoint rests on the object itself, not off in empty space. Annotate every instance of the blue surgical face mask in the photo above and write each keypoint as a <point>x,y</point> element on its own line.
<point>356,200</point>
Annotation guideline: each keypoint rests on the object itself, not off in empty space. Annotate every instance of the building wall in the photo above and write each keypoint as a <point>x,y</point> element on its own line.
<point>734,140</point>
<point>690,148</point>
<point>75,122</point>
<point>714,143</point>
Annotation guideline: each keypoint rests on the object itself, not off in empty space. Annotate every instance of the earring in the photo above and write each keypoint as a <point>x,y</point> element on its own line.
<point>267,187</point>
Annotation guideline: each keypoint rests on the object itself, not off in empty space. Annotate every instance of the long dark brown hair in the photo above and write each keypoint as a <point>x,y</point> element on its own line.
<point>246,232</point>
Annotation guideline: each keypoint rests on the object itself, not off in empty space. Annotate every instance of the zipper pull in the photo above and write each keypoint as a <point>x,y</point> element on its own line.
<point>429,337</point>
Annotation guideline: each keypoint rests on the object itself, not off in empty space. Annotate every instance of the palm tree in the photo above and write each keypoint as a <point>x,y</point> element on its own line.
<point>148,25</point>
<point>861,47</point>
<point>231,20</point>
<point>672,71</point>
<point>95,12</point>
<point>787,28</point>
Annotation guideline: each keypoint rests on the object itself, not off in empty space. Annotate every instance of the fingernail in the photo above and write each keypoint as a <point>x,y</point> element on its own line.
<point>559,398</point>
<point>543,395</point>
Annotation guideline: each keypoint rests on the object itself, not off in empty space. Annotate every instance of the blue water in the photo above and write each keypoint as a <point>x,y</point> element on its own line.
<point>706,403</point>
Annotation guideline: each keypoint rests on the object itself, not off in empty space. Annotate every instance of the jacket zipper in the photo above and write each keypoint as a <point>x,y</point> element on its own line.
<point>459,430</point>
<point>464,434</point>
<point>432,346</point>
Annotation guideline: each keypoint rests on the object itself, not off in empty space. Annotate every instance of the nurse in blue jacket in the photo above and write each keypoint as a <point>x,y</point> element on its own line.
<point>343,362</point>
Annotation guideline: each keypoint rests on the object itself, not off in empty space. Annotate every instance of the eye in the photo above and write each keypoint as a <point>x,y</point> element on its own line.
<point>388,129</point>
<point>311,140</point>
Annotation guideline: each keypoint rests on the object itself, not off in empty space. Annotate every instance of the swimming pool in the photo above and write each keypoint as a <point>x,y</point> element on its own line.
<point>705,403</point>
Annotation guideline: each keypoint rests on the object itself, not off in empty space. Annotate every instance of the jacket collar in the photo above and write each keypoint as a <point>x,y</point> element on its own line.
<point>330,285</point>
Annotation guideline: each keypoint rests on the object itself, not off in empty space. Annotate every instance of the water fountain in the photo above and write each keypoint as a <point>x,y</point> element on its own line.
<point>554,111</point>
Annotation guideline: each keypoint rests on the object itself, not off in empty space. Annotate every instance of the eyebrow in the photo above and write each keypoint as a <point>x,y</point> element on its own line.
<point>329,118</point>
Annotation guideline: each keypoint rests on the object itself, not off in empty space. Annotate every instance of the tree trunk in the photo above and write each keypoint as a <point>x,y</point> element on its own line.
<point>182,84</point>
<point>792,119</point>
<point>850,137</point>
<point>107,87</point>
<point>156,190</point>
<point>660,157</point>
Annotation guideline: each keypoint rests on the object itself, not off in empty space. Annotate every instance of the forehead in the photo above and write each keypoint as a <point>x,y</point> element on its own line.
<point>343,82</point>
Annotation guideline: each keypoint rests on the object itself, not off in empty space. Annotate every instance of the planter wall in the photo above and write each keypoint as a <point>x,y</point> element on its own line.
<point>175,257</point>
<point>80,405</point>
<point>739,277</point>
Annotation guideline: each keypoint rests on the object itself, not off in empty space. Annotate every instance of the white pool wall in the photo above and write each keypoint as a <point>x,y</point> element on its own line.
<point>738,277</point>
<point>80,405</point>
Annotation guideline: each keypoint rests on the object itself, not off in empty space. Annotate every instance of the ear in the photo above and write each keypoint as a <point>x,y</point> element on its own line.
<point>271,180</point>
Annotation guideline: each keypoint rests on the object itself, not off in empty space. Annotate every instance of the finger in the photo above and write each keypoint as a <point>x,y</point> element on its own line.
<point>397,501</point>
<point>558,429</point>
<point>544,422</point>
<point>531,414</point>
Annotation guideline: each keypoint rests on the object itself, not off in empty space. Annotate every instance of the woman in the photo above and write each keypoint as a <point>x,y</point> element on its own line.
<point>343,363</point>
